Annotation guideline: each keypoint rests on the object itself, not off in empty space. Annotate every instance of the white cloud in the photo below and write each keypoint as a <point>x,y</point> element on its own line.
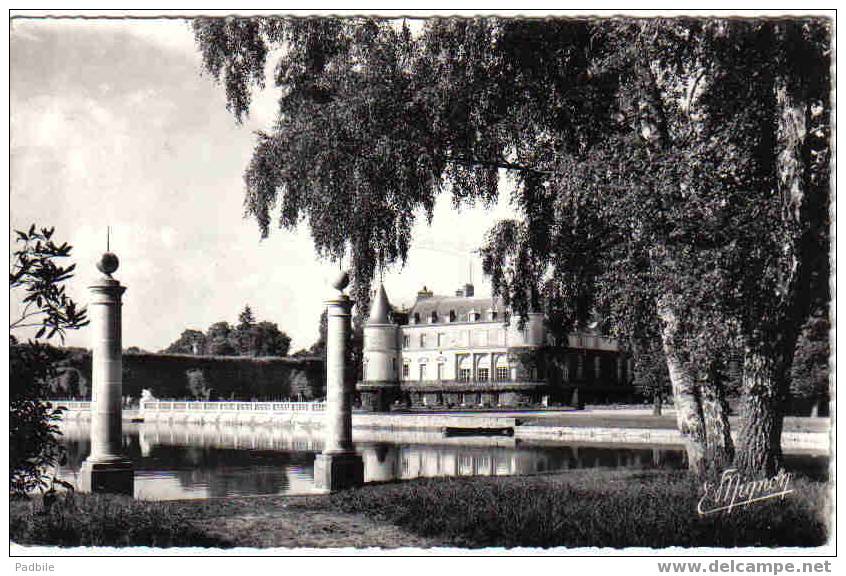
<point>153,153</point>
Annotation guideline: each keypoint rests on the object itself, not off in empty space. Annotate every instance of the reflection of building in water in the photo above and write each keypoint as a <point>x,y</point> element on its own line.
<point>467,351</point>
<point>383,463</point>
<point>220,460</point>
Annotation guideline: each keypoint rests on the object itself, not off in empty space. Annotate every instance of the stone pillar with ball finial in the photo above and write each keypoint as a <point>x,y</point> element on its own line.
<point>106,469</point>
<point>338,467</point>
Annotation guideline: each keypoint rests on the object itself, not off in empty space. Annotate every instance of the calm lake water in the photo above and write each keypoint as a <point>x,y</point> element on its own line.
<point>183,461</point>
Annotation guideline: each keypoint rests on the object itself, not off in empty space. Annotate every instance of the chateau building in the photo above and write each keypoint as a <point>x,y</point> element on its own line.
<point>460,350</point>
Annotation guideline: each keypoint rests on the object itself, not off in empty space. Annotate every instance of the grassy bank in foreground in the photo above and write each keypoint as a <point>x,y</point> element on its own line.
<point>575,509</point>
<point>101,520</point>
<point>589,508</point>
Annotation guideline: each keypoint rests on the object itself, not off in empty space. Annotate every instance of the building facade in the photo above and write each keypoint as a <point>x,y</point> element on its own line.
<point>460,350</point>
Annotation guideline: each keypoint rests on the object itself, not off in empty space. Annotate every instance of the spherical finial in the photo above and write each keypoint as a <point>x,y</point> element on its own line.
<point>108,263</point>
<point>341,281</point>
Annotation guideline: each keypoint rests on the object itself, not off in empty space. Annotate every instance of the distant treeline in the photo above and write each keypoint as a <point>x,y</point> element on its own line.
<point>247,338</point>
<point>199,377</point>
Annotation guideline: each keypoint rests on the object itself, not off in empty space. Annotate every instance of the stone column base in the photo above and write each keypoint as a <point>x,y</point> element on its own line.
<point>107,477</point>
<point>338,471</point>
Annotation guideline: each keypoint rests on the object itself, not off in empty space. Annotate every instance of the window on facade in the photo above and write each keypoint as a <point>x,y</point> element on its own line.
<point>452,315</point>
<point>406,370</point>
<point>423,340</point>
<point>502,373</point>
<point>482,374</point>
<point>394,365</point>
<point>406,341</point>
<point>491,315</point>
<point>434,317</point>
<point>440,371</point>
<point>417,318</point>
<point>464,374</point>
<point>441,340</point>
<point>422,372</point>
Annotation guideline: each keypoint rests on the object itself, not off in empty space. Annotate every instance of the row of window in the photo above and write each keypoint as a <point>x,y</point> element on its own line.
<point>461,339</point>
<point>472,316</point>
<point>501,374</point>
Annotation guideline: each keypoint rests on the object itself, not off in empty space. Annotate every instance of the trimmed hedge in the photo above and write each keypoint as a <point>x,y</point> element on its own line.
<point>225,377</point>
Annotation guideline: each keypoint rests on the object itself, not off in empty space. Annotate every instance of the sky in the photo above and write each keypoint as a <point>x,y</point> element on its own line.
<point>114,124</point>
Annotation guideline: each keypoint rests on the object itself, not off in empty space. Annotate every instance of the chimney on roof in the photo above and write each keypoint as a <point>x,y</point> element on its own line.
<point>468,290</point>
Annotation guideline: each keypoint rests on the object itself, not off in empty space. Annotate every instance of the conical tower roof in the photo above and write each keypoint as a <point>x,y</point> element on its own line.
<point>380,308</point>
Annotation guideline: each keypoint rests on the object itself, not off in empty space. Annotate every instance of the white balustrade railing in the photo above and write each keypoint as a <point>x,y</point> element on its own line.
<point>192,406</point>
<point>228,406</point>
<point>72,405</point>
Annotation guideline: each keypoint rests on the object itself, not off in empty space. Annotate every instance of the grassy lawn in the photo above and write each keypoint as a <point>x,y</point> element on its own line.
<point>573,509</point>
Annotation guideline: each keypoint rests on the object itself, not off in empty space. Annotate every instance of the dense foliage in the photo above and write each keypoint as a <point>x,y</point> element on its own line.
<point>354,349</point>
<point>247,338</point>
<point>809,378</point>
<point>664,170</point>
<point>650,377</point>
<point>36,273</point>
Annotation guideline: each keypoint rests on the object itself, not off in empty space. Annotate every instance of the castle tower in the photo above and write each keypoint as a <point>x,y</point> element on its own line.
<point>380,383</point>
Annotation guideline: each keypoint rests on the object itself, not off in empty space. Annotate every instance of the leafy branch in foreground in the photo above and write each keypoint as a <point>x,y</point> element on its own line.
<point>35,272</point>
<point>34,446</point>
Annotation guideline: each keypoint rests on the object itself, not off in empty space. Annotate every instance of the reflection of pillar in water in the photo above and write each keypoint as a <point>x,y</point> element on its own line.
<point>429,462</point>
<point>380,462</point>
<point>338,466</point>
<point>106,469</point>
<point>146,443</point>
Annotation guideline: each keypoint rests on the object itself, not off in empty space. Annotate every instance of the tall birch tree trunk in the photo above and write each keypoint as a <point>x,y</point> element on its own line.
<point>701,409</point>
<point>719,447</point>
<point>689,418</point>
